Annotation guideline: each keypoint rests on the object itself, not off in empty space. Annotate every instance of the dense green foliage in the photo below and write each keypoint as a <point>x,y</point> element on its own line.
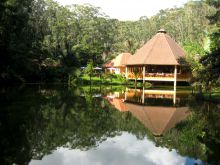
<point>211,61</point>
<point>41,40</point>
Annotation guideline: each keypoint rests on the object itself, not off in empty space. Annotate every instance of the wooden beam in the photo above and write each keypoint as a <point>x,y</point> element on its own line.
<point>126,72</point>
<point>143,98</point>
<point>174,98</point>
<point>126,93</point>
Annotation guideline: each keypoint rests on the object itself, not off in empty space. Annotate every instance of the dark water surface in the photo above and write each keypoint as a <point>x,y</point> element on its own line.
<point>58,125</point>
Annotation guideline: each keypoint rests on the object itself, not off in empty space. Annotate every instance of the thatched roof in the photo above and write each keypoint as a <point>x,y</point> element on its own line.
<point>160,50</point>
<point>122,59</point>
<point>118,61</point>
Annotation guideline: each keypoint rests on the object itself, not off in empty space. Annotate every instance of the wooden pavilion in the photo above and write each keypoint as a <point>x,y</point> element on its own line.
<point>117,65</point>
<point>160,59</point>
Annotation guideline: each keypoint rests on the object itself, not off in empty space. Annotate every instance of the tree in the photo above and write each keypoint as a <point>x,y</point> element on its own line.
<point>17,41</point>
<point>89,69</point>
<point>210,74</point>
<point>194,53</point>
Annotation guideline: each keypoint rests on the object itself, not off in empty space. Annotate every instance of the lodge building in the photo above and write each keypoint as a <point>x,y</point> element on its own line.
<point>160,59</point>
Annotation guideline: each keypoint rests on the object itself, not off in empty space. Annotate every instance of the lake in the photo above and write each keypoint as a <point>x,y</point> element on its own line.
<point>106,125</point>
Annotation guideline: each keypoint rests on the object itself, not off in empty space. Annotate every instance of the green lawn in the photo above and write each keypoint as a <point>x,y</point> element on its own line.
<point>111,79</point>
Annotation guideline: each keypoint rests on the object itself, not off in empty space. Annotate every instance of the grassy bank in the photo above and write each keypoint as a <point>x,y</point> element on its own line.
<point>103,79</point>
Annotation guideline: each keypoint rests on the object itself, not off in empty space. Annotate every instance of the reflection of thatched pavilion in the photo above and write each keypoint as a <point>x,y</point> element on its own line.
<point>117,103</point>
<point>160,59</point>
<point>157,118</point>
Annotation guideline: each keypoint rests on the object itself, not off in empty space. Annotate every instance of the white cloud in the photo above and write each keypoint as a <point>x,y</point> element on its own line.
<point>129,9</point>
<point>124,149</point>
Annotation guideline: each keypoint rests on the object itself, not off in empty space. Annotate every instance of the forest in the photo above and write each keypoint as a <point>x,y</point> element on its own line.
<point>43,41</point>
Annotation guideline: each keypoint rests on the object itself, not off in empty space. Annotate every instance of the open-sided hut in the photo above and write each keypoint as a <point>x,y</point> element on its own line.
<point>160,59</point>
<point>117,65</point>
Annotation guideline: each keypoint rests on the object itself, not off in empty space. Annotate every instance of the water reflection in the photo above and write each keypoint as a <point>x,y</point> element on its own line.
<point>41,124</point>
<point>158,110</point>
<point>118,150</point>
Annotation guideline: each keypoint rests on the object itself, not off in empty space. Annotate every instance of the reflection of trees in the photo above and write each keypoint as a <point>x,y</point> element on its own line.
<point>198,136</point>
<point>184,138</point>
<point>16,125</point>
<point>35,121</point>
<point>211,139</point>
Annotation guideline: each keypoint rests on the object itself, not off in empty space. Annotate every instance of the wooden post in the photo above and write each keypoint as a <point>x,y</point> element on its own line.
<point>126,72</point>
<point>126,92</point>
<point>175,77</point>
<point>143,75</point>
<point>143,95</point>
<point>174,98</point>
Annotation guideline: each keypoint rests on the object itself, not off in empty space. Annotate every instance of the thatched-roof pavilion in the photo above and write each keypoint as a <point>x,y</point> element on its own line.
<point>160,59</point>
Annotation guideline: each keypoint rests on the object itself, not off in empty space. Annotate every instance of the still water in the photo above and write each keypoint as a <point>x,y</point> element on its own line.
<point>58,125</point>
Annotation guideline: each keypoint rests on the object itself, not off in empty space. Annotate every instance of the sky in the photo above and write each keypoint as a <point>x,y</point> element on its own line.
<point>128,9</point>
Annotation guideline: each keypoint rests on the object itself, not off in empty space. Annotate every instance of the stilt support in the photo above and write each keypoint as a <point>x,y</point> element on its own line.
<point>143,75</point>
<point>126,72</point>
<point>175,77</point>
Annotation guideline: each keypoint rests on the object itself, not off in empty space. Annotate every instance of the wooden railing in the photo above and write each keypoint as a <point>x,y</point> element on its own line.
<point>132,75</point>
<point>159,75</point>
<point>168,75</point>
